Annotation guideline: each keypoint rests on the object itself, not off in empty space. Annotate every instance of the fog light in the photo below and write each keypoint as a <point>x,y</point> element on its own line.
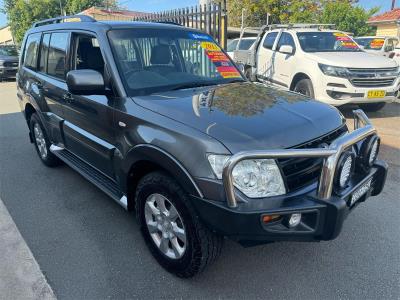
<point>369,152</point>
<point>344,169</point>
<point>294,220</point>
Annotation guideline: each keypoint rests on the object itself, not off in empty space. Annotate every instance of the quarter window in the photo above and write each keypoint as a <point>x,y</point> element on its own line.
<point>56,64</point>
<point>270,40</point>
<point>31,51</point>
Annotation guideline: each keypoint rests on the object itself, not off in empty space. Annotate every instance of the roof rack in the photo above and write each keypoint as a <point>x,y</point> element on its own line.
<point>82,18</point>
<point>299,25</point>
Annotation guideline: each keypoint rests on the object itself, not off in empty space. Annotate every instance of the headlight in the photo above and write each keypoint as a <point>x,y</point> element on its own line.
<point>255,178</point>
<point>334,71</point>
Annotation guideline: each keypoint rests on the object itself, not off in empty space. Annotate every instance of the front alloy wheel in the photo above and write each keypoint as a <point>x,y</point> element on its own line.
<point>165,226</point>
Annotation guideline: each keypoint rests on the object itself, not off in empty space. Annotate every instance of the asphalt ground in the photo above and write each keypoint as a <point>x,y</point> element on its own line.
<point>88,247</point>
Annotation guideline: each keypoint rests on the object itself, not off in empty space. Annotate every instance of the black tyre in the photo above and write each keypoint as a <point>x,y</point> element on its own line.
<point>247,73</point>
<point>42,143</point>
<point>305,87</point>
<point>371,107</point>
<point>171,229</point>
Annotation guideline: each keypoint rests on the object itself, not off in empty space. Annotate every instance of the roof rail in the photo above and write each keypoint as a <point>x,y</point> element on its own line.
<point>300,25</point>
<point>82,18</point>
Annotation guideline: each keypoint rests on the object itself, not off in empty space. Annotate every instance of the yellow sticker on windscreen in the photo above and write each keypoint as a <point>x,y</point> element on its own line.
<point>209,46</point>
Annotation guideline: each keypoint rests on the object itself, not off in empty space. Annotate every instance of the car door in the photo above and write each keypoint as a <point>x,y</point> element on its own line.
<point>266,56</point>
<point>286,63</point>
<point>88,126</point>
<point>51,75</point>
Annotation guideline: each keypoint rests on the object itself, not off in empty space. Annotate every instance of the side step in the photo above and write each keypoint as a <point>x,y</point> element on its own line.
<point>94,176</point>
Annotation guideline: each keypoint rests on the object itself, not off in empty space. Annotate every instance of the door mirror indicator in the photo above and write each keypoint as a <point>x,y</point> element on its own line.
<point>286,49</point>
<point>85,82</point>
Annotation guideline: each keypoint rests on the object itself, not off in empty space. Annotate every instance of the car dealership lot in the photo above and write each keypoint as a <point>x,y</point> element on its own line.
<point>89,247</point>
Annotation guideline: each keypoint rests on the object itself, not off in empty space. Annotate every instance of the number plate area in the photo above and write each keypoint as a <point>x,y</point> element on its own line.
<point>361,191</point>
<point>376,94</point>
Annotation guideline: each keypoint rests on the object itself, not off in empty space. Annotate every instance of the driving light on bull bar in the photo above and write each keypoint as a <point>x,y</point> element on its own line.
<point>344,169</point>
<point>369,152</point>
<point>256,178</point>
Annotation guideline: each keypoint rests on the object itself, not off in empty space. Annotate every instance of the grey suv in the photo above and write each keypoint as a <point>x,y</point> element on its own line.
<point>159,118</point>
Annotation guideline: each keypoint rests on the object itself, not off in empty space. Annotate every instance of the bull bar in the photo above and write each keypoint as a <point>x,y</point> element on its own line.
<point>362,129</point>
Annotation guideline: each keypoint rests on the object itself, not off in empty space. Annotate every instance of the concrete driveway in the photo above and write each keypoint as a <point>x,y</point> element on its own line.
<point>88,247</point>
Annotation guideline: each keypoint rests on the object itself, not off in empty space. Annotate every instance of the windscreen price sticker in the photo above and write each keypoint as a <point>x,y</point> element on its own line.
<point>220,60</point>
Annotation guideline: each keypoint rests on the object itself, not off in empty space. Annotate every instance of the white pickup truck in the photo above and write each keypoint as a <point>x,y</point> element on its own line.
<point>324,64</point>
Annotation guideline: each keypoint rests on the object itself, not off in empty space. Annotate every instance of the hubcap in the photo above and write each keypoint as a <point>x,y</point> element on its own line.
<point>40,141</point>
<point>165,226</point>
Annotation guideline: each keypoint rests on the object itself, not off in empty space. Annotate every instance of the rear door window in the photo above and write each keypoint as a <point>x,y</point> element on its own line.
<point>31,51</point>
<point>270,40</point>
<point>56,63</point>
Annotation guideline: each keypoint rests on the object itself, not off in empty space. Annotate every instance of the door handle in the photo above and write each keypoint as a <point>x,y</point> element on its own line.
<point>68,98</point>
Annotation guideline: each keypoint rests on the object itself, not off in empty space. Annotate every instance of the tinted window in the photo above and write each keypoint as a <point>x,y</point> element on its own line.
<point>57,54</point>
<point>285,39</point>
<point>31,51</point>
<point>270,40</point>
<point>44,51</point>
<point>232,46</point>
<point>156,60</point>
<point>327,42</point>
<point>246,44</point>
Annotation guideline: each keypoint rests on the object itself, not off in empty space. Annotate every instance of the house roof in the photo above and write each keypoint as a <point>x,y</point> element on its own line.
<point>103,11</point>
<point>387,17</point>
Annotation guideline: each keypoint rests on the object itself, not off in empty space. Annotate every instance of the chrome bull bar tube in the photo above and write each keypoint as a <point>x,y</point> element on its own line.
<point>330,157</point>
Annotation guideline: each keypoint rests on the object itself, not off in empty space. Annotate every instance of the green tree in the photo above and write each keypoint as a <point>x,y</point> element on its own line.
<point>21,14</point>
<point>346,14</point>
<point>348,17</point>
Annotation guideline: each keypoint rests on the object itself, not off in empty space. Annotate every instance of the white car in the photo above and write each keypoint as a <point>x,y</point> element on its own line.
<point>324,64</point>
<point>245,44</point>
<point>379,45</point>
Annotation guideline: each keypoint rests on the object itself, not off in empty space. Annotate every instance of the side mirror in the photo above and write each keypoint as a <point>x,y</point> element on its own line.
<point>85,82</point>
<point>286,49</point>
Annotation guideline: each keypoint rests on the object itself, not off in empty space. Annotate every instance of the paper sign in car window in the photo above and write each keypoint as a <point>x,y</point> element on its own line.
<point>350,44</point>
<point>339,34</point>
<point>220,60</point>
<point>377,43</point>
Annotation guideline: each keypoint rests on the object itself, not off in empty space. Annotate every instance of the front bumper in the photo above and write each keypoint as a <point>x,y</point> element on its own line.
<point>323,206</point>
<point>8,72</point>
<point>321,219</point>
<point>339,91</point>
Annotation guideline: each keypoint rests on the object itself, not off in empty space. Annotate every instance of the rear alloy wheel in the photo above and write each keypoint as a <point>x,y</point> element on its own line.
<point>42,143</point>
<point>371,107</point>
<point>305,87</point>
<point>171,228</point>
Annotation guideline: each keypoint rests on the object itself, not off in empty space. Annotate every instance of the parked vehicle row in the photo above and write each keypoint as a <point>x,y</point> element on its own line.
<point>160,119</point>
<point>324,64</point>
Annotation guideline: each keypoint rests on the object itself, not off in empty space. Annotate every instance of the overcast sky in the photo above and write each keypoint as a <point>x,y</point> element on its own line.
<point>158,5</point>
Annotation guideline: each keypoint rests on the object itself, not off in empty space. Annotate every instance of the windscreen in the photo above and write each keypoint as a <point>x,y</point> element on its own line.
<point>156,60</point>
<point>326,42</point>
<point>371,43</point>
<point>8,51</point>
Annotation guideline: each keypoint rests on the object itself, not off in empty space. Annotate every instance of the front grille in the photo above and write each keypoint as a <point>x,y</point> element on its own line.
<point>10,64</point>
<point>372,82</point>
<point>378,77</point>
<point>300,172</point>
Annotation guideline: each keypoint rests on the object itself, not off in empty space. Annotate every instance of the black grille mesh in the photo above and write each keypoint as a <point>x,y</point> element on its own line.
<point>300,172</point>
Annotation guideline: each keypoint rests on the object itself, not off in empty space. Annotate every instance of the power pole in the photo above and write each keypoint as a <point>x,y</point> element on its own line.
<point>393,4</point>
